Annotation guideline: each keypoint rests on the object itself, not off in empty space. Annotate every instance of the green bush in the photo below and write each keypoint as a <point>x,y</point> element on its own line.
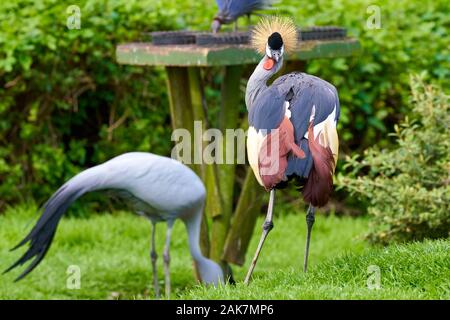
<point>64,101</point>
<point>65,104</point>
<point>373,86</point>
<point>409,186</point>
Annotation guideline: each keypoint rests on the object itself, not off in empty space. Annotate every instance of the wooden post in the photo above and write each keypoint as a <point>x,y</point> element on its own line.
<point>245,216</point>
<point>198,114</point>
<point>225,172</point>
<point>179,98</point>
<point>185,99</point>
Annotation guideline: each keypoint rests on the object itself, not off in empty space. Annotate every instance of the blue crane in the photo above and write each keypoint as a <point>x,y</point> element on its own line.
<point>158,188</point>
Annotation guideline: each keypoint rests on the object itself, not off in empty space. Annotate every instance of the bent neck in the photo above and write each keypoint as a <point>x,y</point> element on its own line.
<point>193,228</point>
<point>258,81</point>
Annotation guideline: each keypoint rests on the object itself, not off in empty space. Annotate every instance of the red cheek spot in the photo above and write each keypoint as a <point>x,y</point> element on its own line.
<point>268,64</point>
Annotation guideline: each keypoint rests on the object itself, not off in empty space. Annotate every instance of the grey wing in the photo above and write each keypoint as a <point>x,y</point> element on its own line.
<point>232,9</point>
<point>307,92</point>
<point>221,4</point>
<point>267,110</point>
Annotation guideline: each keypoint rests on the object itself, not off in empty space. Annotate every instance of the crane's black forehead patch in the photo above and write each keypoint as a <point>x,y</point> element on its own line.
<point>275,41</point>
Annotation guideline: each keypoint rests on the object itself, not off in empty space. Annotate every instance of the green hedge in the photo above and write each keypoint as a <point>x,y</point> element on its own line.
<point>60,89</point>
<point>408,186</point>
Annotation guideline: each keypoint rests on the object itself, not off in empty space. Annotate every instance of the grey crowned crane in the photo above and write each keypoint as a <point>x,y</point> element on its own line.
<point>292,126</point>
<point>158,188</point>
<point>231,10</point>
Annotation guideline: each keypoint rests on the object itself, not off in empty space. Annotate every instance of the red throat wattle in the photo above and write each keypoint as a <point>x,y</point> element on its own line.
<point>268,65</point>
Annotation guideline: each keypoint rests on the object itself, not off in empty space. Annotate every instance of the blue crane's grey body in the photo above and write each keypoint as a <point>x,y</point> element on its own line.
<point>166,188</point>
<point>159,188</point>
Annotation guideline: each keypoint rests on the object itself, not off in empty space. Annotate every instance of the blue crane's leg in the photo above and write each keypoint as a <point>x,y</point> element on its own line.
<point>309,223</point>
<point>166,257</point>
<point>154,257</point>
<point>267,226</point>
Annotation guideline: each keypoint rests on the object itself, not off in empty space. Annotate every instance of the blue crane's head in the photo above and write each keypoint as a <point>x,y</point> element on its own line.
<point>210,273</point>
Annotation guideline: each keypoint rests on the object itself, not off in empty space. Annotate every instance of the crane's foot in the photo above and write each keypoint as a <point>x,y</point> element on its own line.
<point>310,219</point>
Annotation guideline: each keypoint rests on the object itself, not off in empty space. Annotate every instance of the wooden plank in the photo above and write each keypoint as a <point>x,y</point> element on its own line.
<point>225,55</point>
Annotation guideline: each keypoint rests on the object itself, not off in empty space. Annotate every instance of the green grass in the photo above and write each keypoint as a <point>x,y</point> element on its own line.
<point>113,254</point>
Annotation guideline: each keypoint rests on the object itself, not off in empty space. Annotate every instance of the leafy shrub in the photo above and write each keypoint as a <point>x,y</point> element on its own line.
<point>373,86</point>
<point>64,101</point>
<point>409,186</point>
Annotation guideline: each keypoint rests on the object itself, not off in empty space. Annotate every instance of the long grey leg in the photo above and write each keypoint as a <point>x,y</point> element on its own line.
<point>267,226</point>
<point>236,25</point>
<point>310,218</point>
<point>154,257</point>
<point>166,257</point>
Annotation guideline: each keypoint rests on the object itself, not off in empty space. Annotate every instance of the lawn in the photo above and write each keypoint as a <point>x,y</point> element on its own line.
<point>112,251</point>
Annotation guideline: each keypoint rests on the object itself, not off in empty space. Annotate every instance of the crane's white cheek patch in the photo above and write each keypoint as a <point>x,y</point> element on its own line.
<point>254,143</point>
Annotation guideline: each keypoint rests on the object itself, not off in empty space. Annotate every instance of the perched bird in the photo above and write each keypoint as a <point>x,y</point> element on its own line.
<point>292,126</point>
<point>231,10</point>
<point>159,188</point>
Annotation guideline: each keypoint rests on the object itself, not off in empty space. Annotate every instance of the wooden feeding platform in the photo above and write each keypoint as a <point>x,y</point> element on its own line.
<point>184,54</point>
<point>190,49</point>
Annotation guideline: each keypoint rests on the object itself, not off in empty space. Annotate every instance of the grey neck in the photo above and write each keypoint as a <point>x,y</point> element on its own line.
<point>193,227</point>
<point>258,81</point>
